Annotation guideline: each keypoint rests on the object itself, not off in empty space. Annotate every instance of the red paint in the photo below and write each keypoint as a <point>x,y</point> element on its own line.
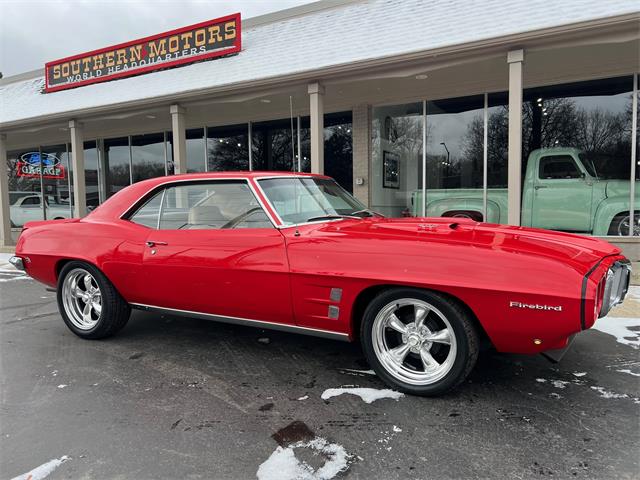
<point>237,47</point>
<point>285,275</point>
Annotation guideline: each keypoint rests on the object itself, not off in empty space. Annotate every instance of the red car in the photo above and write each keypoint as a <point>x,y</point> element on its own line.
<point>296,252</point>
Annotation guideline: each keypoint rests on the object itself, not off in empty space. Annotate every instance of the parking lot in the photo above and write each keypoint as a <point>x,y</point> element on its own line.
<point>180,398</point>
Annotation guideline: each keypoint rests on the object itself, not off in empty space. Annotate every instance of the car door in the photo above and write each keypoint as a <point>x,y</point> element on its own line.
<point>562,195</point>
<point>215,251</point>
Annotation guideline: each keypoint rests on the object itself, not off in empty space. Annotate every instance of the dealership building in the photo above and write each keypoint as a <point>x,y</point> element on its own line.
<point>514,111</point>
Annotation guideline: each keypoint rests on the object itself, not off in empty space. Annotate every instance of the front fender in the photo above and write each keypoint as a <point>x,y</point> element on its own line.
<point>606,212</point>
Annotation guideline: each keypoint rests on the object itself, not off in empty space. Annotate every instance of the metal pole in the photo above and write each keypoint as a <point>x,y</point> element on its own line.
<point>293,149</point>
<point>42,200</point>
<point>164,143</point>
<point>485,158</point>
<point>250,144</point>
<point>299,143</point>
<point>206,153</point>
<point>424,158</point>
<point>634,130</point>
<point>69,182</point>
<point>130,162</point>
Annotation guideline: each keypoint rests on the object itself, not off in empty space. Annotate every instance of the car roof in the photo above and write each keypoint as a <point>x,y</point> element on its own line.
<point>124,199</point>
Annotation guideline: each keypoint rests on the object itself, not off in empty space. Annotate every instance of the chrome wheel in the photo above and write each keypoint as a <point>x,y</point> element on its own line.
<point>414,341</point>
<point>624,227</point>
<point>82,299</point>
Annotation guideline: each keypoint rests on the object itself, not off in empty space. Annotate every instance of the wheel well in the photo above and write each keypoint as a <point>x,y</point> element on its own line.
<point>473,214</point>
<point>368,294</point>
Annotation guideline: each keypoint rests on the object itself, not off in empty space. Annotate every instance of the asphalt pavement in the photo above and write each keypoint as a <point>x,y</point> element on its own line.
<point>176,398</point>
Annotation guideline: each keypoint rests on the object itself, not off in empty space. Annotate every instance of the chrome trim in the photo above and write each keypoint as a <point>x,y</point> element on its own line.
<point>17,263</point>
<point>617,280</point>
<point>246,322</point>
<point>208,179</point>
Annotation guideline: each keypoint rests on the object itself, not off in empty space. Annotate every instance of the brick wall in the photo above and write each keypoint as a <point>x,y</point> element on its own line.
<point>361,151</point>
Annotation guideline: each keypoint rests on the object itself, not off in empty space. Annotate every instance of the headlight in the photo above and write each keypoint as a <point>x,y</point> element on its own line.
<point>616,285</point>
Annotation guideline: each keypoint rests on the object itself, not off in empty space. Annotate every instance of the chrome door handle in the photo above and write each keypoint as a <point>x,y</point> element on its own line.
<point>538,187</point>
<point>152,243</point>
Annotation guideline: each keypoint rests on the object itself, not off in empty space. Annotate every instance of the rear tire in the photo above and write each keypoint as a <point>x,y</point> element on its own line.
<point>89,303</point>
<point>419,342</point>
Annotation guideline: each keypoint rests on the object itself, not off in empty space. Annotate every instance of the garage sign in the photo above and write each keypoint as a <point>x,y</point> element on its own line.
<point>206,40</point>
<point>34,164</point>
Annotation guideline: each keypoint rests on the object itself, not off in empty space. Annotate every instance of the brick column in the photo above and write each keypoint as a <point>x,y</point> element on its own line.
<point>361,131</point>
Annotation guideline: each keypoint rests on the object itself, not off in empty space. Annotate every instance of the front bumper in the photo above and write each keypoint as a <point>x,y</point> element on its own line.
<point>17,262</point>
<point>616,286</point>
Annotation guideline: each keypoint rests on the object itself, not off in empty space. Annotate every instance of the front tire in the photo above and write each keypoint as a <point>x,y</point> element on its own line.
<point>419,342</point>
<point>89,303</point>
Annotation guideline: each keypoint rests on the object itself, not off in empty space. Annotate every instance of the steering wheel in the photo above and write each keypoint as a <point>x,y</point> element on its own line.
<point>243,216</point>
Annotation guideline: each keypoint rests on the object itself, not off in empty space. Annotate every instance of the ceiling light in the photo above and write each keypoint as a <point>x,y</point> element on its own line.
<point>422,76</point>
<point>265,100</point>
<point>151,117</point>
<point>539,99</point>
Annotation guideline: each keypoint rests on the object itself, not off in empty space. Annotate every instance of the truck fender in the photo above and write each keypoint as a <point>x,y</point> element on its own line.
<point>606,211</point>
<point>439,207</point>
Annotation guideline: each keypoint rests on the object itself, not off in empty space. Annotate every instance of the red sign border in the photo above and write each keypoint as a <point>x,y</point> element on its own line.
<point>237,47</point>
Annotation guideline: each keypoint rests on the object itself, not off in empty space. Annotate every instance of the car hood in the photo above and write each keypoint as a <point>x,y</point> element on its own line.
<point>580,251</point>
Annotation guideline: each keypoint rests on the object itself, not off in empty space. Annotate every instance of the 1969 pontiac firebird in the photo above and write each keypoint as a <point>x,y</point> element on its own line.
<point>295,252</point>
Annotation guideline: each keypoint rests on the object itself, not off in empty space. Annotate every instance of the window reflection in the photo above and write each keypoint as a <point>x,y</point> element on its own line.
<point>116,159</point>
<point>91,174</point>
<point>228,148</point>
<point>195,150</point>
<point>273,144</point>
<point>590,122</point>
<point>396,166</point>
<point>147,155</point>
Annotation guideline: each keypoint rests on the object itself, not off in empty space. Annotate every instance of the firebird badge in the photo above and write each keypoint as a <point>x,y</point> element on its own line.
<point>535,306</point>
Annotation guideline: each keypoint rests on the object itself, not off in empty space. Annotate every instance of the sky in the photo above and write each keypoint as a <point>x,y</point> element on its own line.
<point>33,32</point>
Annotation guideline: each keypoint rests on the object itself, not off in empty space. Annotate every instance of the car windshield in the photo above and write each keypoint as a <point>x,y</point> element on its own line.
<point>304,199</point>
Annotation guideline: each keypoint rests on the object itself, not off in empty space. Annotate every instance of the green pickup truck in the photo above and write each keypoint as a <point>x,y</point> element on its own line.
<point>561,191</point>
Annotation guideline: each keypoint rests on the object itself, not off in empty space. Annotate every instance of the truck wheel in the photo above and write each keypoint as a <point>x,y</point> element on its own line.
<point>419,342</point>
<point>620,225</point>
<point>89,303</point>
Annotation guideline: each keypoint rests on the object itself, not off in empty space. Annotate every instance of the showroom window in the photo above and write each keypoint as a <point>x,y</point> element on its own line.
<point>117,164</point>
<point>148,156</point>
<point>465,158</point>
<point>587,125</point>
<point>39,184</point>
<point>228,148</point>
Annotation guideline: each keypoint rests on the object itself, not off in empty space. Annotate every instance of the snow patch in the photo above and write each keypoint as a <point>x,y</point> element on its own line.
<point>368,395</point>
<point>351,371</point>
<point>62,386</point>
<point>303,398</point>
<point>555,395</point>
<point>284,465</point>
<point>559,383</point>
<point>43,470</point>
<point>541,380</point>
<point>626,330</point>
<point>579,374</point>
<point>626,370</point>
<point>607,394</point>
<point>396,429</point>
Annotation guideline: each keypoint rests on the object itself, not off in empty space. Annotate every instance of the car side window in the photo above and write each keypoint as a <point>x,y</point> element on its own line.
<point>31,201</point>
<point>149,213</point>
<point>554,167</point>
